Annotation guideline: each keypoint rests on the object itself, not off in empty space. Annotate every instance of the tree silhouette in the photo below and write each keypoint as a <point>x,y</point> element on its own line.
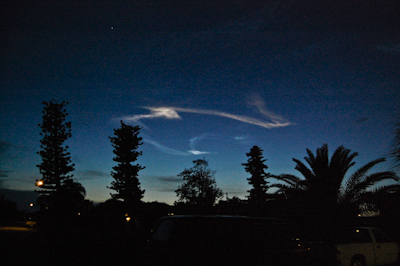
<point>58,190</point>
<point>8,210</point>
<point>4,147</point>
<point>256,167</point>
<point>395,150</point>
<point>199,187</point>
<point>325,187</point>
<point>126,184</point>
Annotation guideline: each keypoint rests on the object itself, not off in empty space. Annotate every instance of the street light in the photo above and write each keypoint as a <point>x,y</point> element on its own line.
<point>39,183</point>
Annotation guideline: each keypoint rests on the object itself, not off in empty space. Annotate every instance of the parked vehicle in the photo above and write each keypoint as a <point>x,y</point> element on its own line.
<point>365,246</point>
<point>233,240</point>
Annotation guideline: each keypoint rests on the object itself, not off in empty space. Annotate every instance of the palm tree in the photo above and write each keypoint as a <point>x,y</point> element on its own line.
<point>324,185</point>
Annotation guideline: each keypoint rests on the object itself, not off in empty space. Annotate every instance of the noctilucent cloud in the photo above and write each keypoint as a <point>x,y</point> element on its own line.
<point>203,79</point>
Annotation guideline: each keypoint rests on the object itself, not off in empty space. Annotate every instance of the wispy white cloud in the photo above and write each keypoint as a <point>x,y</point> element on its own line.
<point>155,112</point>
<point>254,100</point>
<point>172,113</point>
<point>173,151</point>
<point>195,152</point>
<point>193,143</point>
<point>166,149</point>
<point>210,136</point>
<point>273,121</point>
<point>241,137</point>
<point>243,140</point>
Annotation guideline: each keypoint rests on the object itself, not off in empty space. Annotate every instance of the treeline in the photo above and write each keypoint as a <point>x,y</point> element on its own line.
<point>324,192</point>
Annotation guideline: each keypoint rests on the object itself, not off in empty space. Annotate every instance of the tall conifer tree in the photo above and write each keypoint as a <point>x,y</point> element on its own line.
<point>125,174</point>
<point>256,167</point>
<point>57,188</point>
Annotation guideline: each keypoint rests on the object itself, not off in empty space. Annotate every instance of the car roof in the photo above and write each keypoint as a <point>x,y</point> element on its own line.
<point>221,217</point>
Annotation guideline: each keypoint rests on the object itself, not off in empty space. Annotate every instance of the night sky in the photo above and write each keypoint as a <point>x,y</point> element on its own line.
<point>205,78</point>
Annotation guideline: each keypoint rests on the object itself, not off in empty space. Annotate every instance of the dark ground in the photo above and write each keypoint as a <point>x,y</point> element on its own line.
<point>23,246</point>
<point>79,246</point>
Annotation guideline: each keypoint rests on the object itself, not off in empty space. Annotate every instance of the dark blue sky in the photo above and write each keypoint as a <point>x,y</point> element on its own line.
<point>203,78</point>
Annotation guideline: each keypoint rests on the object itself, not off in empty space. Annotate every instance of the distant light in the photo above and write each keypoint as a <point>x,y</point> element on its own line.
<point>171,213</point>
<point>128,219</point>
<point>112,28</point>
<point>39,183</point>
<point>358,231</point>
<point>31,204</point>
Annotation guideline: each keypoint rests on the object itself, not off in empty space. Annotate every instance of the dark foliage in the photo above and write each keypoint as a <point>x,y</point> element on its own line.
<point>59,192</point>
<point>8,210</point>
<point>125,174</point>
<point>395,150</point>
<point>199,187</point>
<point>325,189</point>
<point>256,167</point>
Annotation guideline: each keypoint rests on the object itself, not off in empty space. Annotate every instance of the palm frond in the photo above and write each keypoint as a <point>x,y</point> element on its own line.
<point>311,158</point>
<point>367,182</point>
<point>380,176</point>
<point>304,170</point>
<point>341,161</point>
<point>395,150</point>
<point>323,155</point>
<point>289,191</point>
<point>387,189</point>
<point>376,193</point>
<point>319,163</point>
<point>373,179</point>
<point>291,180</point>
<point>339,164</point>
<point>358,176</point>
<point>281,188</point>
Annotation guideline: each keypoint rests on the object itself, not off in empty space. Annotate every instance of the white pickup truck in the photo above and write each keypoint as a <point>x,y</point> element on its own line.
<point>365,246</point>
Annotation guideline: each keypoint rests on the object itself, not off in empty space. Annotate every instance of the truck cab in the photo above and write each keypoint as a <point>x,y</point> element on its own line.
<point>365,246</point>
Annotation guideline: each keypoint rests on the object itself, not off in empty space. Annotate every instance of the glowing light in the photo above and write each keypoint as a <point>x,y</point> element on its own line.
<point>39,183</point>
<point>31,204</point>
<point>128,219</point>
